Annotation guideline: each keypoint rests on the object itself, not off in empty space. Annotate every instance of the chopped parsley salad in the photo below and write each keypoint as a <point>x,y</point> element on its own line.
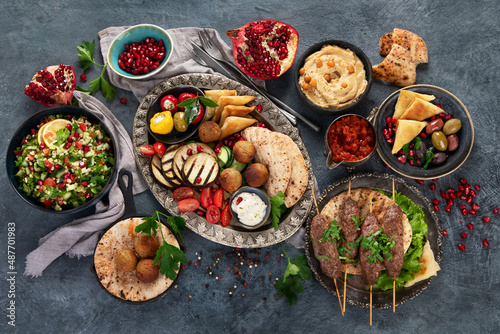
<point>64,162</point>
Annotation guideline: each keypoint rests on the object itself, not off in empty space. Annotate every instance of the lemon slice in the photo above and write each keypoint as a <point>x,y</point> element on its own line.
<point>40,134</point>
<point>49,130</point>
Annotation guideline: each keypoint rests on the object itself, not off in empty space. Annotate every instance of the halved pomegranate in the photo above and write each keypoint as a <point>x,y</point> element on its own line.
<point>264,49</point>
<point>52,86</point>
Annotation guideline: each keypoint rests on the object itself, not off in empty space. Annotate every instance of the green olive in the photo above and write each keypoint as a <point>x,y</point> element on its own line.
<point>180,122</point>
<point>439,141</point>
<point>452,126</point>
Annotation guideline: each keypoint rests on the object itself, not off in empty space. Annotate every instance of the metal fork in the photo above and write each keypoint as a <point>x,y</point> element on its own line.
<point>213,50</point>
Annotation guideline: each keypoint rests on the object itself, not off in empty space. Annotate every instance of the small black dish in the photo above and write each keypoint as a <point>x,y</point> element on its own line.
<point>175,136</point>
<point>32,123</point>
<point>451,105</point>
<point>344,45</point>
<point>261,195</point>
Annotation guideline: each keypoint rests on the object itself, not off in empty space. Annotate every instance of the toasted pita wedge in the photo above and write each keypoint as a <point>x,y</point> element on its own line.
<point>408,40</point>
<point>385,44</point>
<point>398,67</point>
<point>404,100</point>
<point>405,132</point>
<point>419,110</point>
<point>231,110</point>
<point>234,124</point>
<point>429,266</point>
<point>228,100</point>
<point>215,95</point>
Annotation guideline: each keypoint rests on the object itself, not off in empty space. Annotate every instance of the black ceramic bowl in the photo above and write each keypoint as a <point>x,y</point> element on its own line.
<point>262,196</point>
<point>316,47</point>
<point>32,123</point>
<point>451,105</point>
<point>175,136</point>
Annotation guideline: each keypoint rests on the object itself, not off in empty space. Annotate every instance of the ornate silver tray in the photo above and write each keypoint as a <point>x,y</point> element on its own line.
<point>231,235</point>
<point>357,294</point>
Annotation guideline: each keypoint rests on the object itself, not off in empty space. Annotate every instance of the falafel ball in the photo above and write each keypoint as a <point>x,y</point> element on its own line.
<point>146,247</point>
<point>243,151</point>
<point>126,260</point>
<point>147,271</point>
<point>230,179</point>
<point>256,175</point>
<point>209,131</point>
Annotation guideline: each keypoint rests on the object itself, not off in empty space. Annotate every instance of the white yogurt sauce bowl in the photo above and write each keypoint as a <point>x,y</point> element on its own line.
<point>250,207</point>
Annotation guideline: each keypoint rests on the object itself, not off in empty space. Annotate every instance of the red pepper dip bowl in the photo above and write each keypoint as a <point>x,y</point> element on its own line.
<point>350,141</point>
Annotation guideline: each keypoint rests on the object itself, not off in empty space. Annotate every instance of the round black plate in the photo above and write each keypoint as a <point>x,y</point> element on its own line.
<point>450,104</point>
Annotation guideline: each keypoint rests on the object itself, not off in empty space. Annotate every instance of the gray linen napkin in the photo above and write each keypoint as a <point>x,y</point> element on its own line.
<point>79,237</point>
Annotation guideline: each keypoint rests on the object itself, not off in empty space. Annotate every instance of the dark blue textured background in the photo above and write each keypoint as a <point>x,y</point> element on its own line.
<point>462,38</point>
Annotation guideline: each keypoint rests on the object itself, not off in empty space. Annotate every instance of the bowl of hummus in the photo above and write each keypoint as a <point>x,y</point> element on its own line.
<point>333,77</point>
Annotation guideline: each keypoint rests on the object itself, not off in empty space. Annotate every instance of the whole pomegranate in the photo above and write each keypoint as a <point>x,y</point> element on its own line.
<point>264,49</point>
<point>52,86</point>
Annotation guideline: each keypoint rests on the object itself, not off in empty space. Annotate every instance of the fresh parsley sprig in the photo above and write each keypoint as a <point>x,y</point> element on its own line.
<point>167,255</point>
<point>379,245</point>
<point>193,107</point>
<point>332,234</point>
<point>291,284</point>
<point>86,57</point>
<point>278,207</point>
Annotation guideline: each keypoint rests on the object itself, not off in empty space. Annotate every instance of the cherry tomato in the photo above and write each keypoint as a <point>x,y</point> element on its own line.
<point>205,197</point>
<point>48,164</point>
<point>170,103</point>
<point>226,216</point>
<point>48,203</point>
<point>78,145</point>
<point>66,160</point>
<point>213,214</point>
<point>50,181</point>
<point>159,148</point>
<point>183,193</point>
<point>188,205</point>
<point>200,115</point>
<point>82,126</point>
<point>185,96</point>
<point>219,198</point>
<point>148,149</point>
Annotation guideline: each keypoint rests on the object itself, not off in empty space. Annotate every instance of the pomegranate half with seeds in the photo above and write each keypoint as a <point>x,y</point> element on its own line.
<point>52,86</point>
<point>264,49</point>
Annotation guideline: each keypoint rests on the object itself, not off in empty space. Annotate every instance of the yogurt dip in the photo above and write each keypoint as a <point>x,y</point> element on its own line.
<point>333,77</point>
<point>250,208</point>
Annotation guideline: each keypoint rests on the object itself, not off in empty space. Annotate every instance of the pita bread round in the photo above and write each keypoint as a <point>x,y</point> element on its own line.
<point>125,285</point>
<point>361,196</point>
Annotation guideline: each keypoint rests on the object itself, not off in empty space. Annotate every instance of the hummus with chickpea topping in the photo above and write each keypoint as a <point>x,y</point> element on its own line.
<point>333,77</point>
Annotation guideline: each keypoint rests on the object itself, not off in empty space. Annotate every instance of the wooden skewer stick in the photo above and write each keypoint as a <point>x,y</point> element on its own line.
<point>334,280</point>
<point>345,269</point>
<point>371,286</point>
<point>394,279</point>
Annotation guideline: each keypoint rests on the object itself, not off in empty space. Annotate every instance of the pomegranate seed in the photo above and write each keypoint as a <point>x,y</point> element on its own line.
<point>443,194</point>
<point>459,194</point>
<point>470,226</point>
<point>423,135</point>
<point>449,202</point>
<point>444,231</point>
<point>198,180</point>
<point>61,186</point>
<point>388,119</point>
<point>390,141</point>
<point>432,186</point>
<point>57,166</point>
<point>461,207</point>
<point>217,150</point>
<point>472,212</point>
<point>436,209</point>
<point>68,145</point>
<point>76,135</point>
<point>464,212</point>
<point>477,186</point>
<point>469,199</point>
<point>486,219</point>
<point>466,191</point>
<point>69,127</point>
<point>435,201</point>
<point>485,242</point>
<point>475,206</point>
<point>412,162</point>
<point>461,187</point>
<point>84,183</point>
<point>83,77</point>
<point>402,159</point>
<point>463,235</point>
<point>189,152</point>
<point>461,247</point>
<point>420,181</point>
<point>472,193</point>
<point>448,117</point>
<point>238,200</point>
<point>39,182</point>
<point>33,131</point>
<point>199,148</point>
<point>42,146</point>
<point>259,108</point>
<point>82,164</point>
<point>463,181</point>
<point>463,198</point>
<point>200,213</point>
<point>452,196</point>
<point>87,195</point>
<point>495,211</point>
<point>123,100</point>
<point>451,191</point>
<point>447,209</point>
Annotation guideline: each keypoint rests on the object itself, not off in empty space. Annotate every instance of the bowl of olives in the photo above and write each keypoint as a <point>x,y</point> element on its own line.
<point>441,143</point>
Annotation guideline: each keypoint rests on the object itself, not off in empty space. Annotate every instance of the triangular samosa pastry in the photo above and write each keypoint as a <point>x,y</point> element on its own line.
<point>406,130</point>
<point>231,110</point>
<point>234,124</point>
<point>405,98</point>
<point>419,110</point>
<point>215,95</point>
<point>234,100</point>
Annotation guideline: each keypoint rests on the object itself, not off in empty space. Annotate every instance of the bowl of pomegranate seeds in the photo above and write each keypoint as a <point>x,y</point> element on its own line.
<point>140,51</point>
<point>424,132</point>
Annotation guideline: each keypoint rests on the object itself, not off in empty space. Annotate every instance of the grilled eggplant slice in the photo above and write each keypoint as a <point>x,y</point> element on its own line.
<point>200,170</point>
<point>167,162</point>
<point>157,172</point>
<point>186,151</point>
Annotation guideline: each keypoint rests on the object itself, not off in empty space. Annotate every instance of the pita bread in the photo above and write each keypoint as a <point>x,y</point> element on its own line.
<point>398,67</point>
<point>270,150</point>
<point>233,124</point>
<point>361,196</point>
<point>298,175</point>
<point>406,130</point>
<point>429,266</point>
<point>215,95</point>
<point>385,44</point>
<point>228,100</point>
<point>125,285</point>
<point>419,110</point>
<point>408,40</point>
<point>234,111</point>
<point>405,98</point>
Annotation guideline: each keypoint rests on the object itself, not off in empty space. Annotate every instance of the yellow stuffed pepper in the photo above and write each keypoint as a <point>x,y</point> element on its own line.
<point>162,123</point>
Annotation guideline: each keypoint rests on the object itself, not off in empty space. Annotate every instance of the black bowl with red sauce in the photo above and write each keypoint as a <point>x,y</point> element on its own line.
<point>351,140</point>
